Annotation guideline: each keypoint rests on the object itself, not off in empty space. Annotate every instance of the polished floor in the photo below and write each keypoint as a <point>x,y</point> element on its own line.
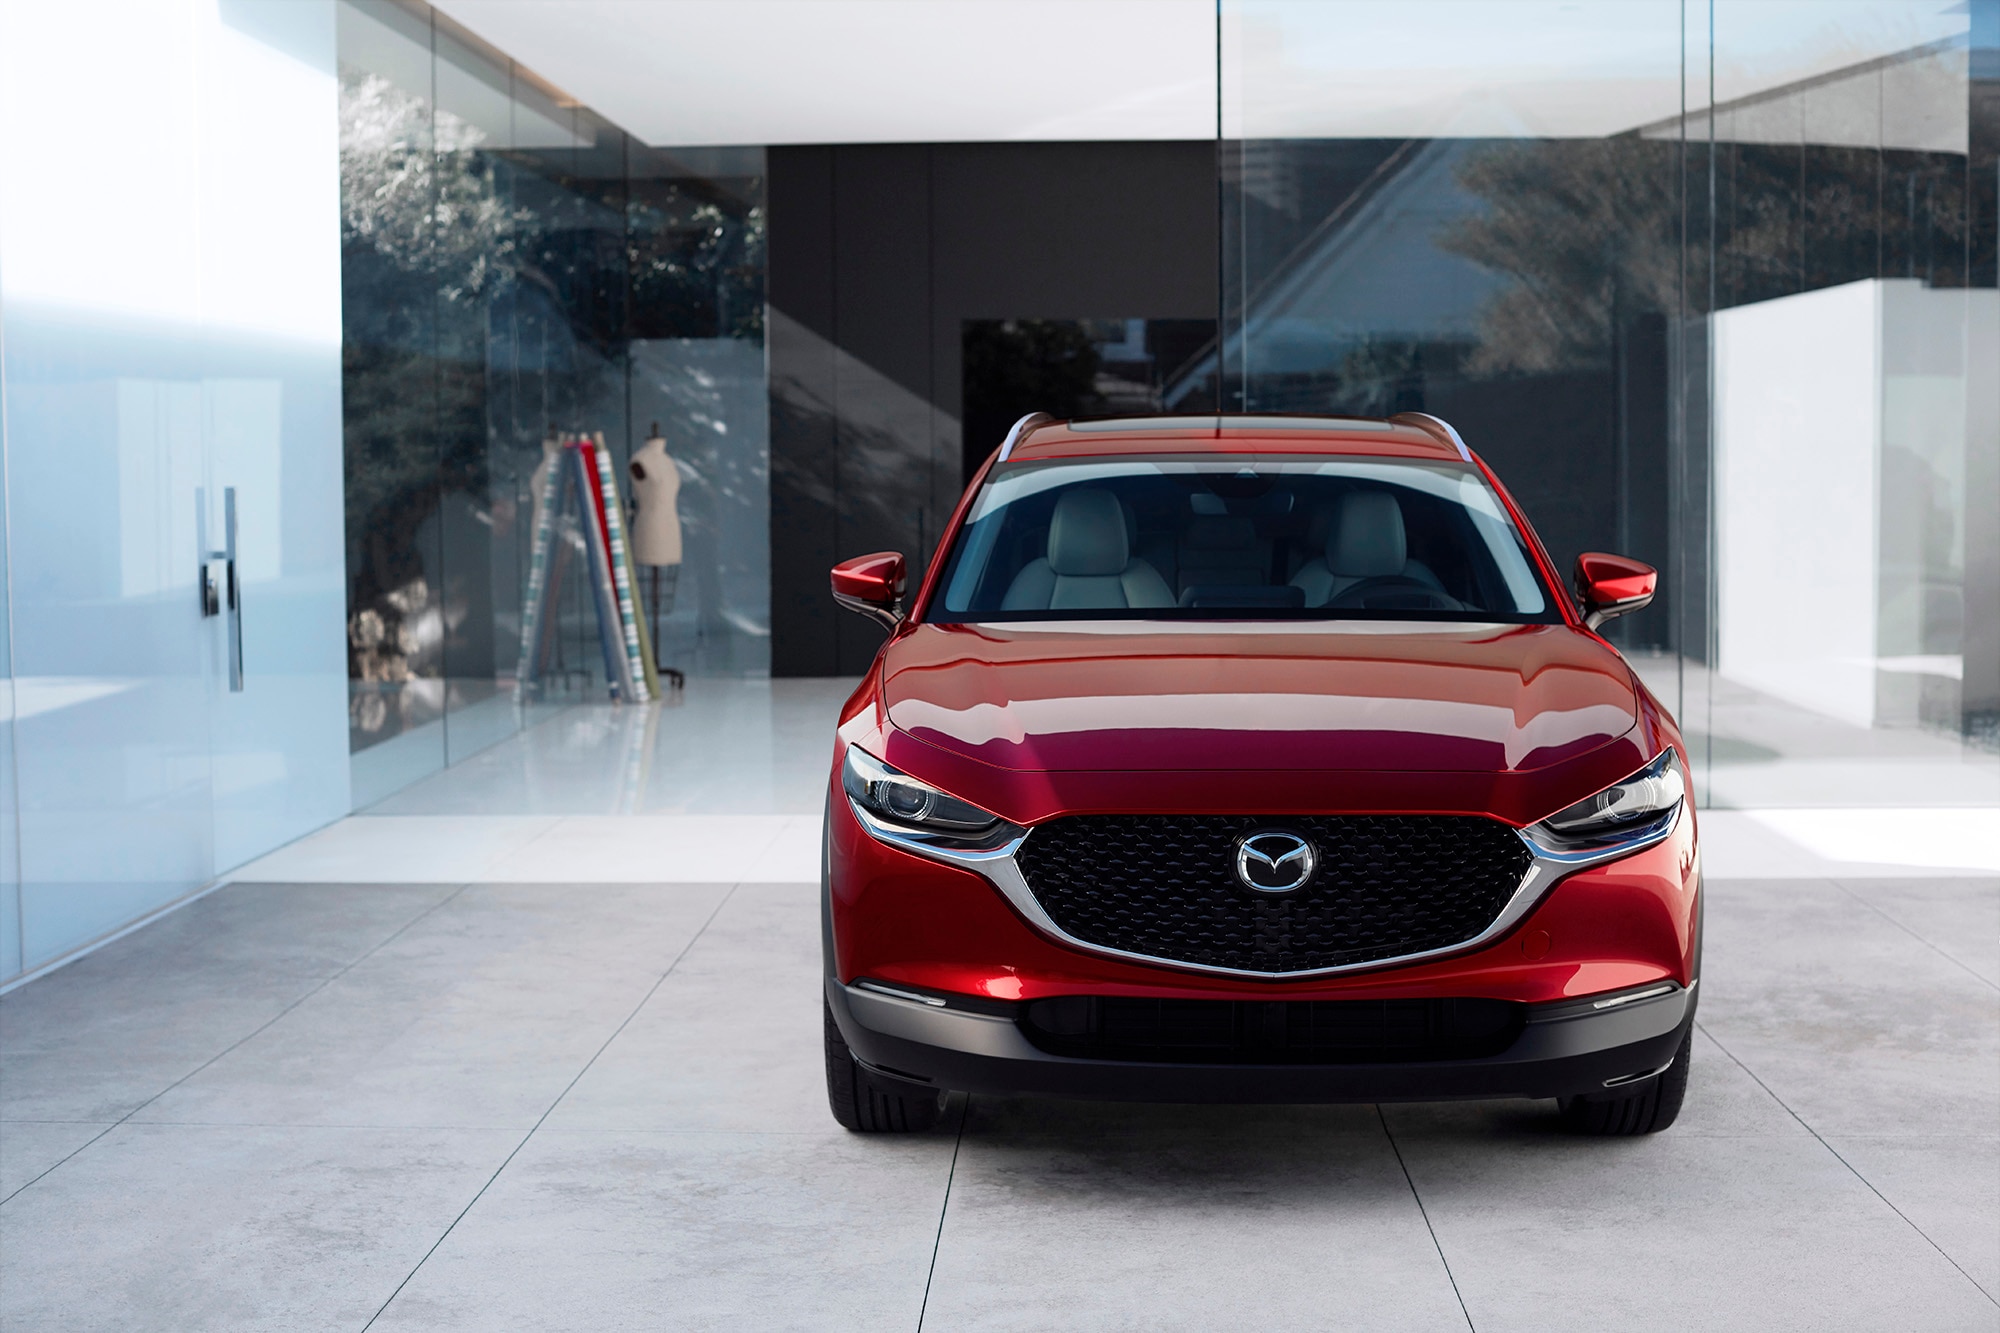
<point>594,1102</point>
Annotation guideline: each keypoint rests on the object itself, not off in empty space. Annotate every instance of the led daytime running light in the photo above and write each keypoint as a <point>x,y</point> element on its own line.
<point>896,798</point>
<point>1655,791</point>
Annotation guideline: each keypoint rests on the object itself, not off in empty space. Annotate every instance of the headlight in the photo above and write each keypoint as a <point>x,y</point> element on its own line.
<point>892,802</point>
<point>1648,798</point>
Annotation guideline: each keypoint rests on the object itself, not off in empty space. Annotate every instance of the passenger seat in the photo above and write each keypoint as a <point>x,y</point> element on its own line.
<point>1089,565</point>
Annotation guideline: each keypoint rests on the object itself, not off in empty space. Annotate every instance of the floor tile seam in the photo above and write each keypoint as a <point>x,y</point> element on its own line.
<point>944,1208</point>
<point>311,991</point>
<point>1425,1214</point>
<point>1836,1155</point>
<point>1889,1136</point>
<point>688,1133</point>
<point>555,822</point>
<point>306,1125</point>
<point>440,1128</point>
<point>526,1138</point>
<point>1934,947</point>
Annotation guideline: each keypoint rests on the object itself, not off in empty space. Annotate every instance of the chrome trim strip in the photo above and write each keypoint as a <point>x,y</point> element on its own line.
<point>876,986</point>
<point>948,1029</point>
<point>1443,425</point>
<point>1020,428</point>
<point>1617,1000</point>
<point>1624,1079</point>
<point>998,866</point>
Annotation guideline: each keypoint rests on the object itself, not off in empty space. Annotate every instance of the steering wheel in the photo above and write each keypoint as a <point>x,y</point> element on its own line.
<point>1397,592</point>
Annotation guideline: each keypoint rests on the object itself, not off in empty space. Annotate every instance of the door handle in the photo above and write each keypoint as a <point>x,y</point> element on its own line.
<point>228,596</point>
<point>234,590</point>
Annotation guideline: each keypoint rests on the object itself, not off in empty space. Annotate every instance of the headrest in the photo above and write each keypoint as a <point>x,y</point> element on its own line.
<point>1087,535</point>
<point>1367,540</point>
<point>1207,533</point>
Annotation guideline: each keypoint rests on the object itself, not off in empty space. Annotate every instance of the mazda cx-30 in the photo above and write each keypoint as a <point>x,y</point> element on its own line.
<point>1254,759</point>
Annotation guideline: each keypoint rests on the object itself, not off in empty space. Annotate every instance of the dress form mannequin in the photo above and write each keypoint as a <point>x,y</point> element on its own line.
<point>656,525</point>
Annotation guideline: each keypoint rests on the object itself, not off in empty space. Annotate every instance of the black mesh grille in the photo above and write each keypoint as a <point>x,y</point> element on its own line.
<point>1165,886</point>
<point>1271,1031</point>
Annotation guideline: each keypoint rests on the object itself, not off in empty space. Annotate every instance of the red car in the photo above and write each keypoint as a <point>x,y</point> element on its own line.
<point>1255,759</point>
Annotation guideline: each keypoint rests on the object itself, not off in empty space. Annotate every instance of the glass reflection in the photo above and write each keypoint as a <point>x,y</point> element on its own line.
<point>1717,306</point>
<point>514,267</point>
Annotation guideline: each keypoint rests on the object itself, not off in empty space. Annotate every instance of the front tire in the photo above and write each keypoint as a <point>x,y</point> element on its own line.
<point>871,1103</point>
<point>1648,1109</point>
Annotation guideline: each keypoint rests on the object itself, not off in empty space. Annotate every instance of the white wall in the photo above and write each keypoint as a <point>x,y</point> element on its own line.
<point>170,307</point>
<point>1840,494</point>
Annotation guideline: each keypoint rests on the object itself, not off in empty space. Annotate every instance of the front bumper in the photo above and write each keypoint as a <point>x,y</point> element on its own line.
<point>1566,1048</point>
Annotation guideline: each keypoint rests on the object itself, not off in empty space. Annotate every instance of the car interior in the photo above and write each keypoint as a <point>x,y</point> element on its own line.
<point>1250,544</point>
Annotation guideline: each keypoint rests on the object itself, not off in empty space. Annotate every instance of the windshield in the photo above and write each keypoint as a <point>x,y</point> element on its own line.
<point>1240,538</point>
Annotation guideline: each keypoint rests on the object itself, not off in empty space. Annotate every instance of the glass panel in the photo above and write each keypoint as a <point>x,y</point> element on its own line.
<point>270,422</point>
<point>1476,222</point>
<point>696,237</point>
<point>516,269</point>
<point>482,465</point>
<point>1845,385</point>
<point>1753,347</point>
<point>392,389</point>
<point>145,369</point>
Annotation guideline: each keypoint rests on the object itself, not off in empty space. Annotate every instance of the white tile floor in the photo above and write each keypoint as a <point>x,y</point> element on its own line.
<point>535,1045</point>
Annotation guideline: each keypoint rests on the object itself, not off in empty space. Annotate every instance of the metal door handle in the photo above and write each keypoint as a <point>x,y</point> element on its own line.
<point>230,594</point>
<point>235,589</point>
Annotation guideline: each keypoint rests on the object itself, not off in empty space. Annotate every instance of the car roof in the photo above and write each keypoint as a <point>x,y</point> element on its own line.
<point>1406,435</point>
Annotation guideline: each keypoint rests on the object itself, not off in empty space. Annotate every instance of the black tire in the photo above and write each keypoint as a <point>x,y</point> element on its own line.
<point>1647,1109</point>
<point>870,1103</point>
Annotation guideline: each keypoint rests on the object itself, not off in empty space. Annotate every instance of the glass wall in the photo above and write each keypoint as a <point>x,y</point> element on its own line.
<point>1704,283</point>
<point>169,357</point>
<point>514,267</point>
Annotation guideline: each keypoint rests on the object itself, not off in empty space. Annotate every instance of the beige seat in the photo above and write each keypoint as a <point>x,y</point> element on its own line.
<point>1089,565</point>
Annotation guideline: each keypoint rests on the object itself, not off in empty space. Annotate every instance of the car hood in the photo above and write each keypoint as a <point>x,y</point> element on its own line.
<point>1357,696</point>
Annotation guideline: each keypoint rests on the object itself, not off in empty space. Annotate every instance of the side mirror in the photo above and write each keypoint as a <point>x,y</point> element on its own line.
<point>1611,585</point>
<point>872,585</point>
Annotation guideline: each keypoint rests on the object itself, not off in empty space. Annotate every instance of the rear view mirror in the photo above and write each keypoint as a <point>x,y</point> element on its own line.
<point>1611,585</point>
<point>872,585</point>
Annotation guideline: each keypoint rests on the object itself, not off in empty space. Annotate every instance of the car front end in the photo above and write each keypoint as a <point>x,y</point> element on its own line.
<point>1255,853</point>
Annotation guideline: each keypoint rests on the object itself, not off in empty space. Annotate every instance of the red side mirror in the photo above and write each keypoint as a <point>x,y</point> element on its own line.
<point>1611,585</point>
<point>872,585</point>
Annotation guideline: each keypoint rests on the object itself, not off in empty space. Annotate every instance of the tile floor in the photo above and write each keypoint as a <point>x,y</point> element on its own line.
<point>595,1103</point>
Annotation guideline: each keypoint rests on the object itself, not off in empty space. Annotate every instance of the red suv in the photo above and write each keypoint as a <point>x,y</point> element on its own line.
<point>1254,759</point>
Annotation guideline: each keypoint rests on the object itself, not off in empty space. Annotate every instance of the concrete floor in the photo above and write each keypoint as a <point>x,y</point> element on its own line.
<point>599,1106</point>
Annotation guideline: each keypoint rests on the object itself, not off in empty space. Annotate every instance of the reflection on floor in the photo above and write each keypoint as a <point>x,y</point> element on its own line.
<point>730,747</point>
<point>724,780</point>
<point>1763,753</point>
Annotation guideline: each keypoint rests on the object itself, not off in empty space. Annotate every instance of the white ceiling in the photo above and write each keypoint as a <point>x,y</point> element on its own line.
<point>687,73</point>
<point>716,72</point>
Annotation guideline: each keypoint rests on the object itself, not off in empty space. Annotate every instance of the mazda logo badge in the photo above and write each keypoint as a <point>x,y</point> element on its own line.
<point>1273,861</point>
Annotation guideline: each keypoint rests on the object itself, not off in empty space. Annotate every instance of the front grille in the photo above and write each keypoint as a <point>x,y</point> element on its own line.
<point>1271,1032</point>
<point>1165,886</point>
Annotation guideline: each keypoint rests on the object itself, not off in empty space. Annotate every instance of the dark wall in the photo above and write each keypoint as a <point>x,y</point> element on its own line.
<point>878,253</point>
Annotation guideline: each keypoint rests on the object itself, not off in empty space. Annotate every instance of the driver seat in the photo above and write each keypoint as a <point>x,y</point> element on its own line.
<point>1367,542</point>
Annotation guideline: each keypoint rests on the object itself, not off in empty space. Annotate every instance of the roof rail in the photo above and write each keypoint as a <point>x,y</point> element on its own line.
<point>1437,428</point>
<point>1022,427</point>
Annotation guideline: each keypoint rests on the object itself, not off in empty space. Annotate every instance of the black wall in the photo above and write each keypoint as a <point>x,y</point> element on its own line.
<point>878,253</point>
